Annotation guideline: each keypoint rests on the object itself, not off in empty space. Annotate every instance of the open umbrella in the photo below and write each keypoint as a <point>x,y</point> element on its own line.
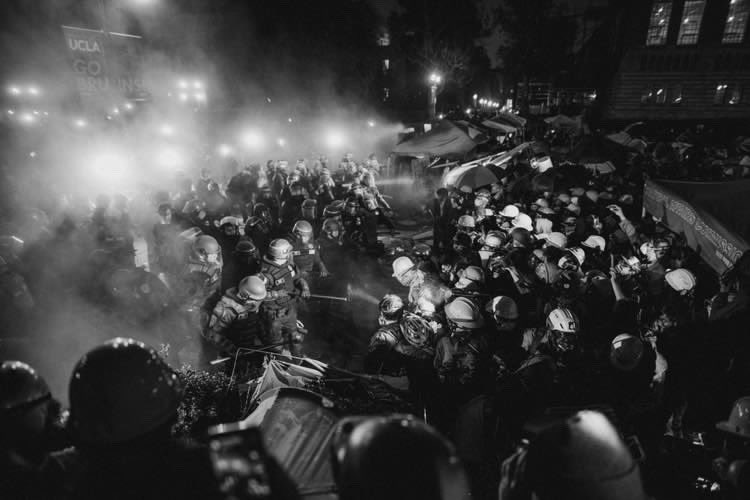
<point>562,122</point>
<point>474,176</point>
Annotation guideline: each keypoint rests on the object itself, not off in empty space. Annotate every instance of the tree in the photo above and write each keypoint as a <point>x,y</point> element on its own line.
<point>536,39</point>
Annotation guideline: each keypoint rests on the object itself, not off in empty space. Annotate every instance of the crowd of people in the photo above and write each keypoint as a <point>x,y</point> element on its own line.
<point>546,294</point>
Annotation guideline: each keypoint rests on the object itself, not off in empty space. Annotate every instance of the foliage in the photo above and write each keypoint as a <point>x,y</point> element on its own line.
<point>209,399</point>
<point>361,397</point>
<point>536,35</point>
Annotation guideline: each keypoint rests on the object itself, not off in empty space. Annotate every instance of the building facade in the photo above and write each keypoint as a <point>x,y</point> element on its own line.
<point>686,60</point>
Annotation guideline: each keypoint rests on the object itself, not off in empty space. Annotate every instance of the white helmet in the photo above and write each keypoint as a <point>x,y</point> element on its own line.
<point>401,266</point>
<point>595,241</point>
<point>467,221</point>
<point>556,239</point>
<point>681,280</point>
<point>563,320</point>
<point>579,254</point>
<point>524,221</point>
<point>543,226</point>
<point>510,211</point>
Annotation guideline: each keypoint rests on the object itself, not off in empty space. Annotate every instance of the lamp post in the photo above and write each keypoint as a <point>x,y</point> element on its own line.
<point>434,80</point>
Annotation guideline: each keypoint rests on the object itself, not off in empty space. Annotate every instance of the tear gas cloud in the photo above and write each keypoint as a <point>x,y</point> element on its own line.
<point>201,111</point>
<point>59,152</point>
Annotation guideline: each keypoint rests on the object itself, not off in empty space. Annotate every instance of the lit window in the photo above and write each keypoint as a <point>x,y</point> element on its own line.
<point>735,96</point>
<point>384,39</point>
<point>734,29</point>
<point>721,93</point>
<point>661,95</point>
<point>386,65</point>
<point>690,23</point>
<point>659,24</point>
<point>648,96</point>
<point>676,95</point>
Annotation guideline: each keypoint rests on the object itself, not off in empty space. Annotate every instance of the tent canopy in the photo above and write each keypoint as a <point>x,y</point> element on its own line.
<point>510,119</point>
<point>505,128</point>
<point>446,139</point>
<point>563,122</point>
<point>713,216</point>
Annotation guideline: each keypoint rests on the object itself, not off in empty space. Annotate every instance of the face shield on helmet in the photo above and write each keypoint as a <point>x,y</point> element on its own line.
<point>207,249</point>
<point>303,230</point>
<point>331,229</point>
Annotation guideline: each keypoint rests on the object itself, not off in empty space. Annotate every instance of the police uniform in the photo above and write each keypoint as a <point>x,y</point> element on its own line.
<point>280,312</point>
<point>306,256</point>
<point>234,323</point>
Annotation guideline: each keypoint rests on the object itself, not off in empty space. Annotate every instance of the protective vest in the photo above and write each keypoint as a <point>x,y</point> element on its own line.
<point>304,254</point>
<point>238,322</point>
<point>279,277</point>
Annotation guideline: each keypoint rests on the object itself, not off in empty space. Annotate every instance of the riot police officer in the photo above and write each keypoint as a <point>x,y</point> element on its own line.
<point>283,284</point>
<point>235,321</point>
<point>305,250</point>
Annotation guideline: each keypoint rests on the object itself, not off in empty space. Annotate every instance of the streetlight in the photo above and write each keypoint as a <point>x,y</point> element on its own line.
<point>435,79</point>
<point>474,98</point>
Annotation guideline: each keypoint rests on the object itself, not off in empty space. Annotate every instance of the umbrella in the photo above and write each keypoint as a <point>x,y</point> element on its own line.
<point>562,122</point>
<point>474,176</point>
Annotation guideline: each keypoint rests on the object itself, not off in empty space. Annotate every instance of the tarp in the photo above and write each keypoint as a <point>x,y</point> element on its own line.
<point>446,139</point>
<point>713,216</point>
<point>281,374</point>
<point>502,127</point>
<point>297,427</point>
<point>510,119</point>
<point>626,140</point>
<point>562,122</point>
<point>474,176</point>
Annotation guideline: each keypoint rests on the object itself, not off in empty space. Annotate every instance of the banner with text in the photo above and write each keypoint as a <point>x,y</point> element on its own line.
<point>105,65</point>
<point>711,237</point>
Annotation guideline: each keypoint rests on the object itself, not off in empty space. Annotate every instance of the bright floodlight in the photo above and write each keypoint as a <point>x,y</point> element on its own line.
<point>281,142</point>
<point>14,90</point>
<point>32,154</point>
<point>128,106</point>
<point>200,97</point>
<point>33,91</point>
<point>116,111</point>
<point>79,123</point>
<point>335,139</point>
<point>182,84</point>
<point>252,139</point>
<point>224,150</point>
<point>166,130</point>
<point>197,84</point>
<point>11,112</point>
<point>289,119</point>
<point>370,123</point>
<point>468,111</point>
<point>183,96</point>
<point>441,116</point>
<point>26,118</point>
<point>474,97</point>
<point>435,78</point>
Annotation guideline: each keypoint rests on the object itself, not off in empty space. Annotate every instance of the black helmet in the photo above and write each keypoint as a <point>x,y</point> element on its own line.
<point>395,458</point>
<point>20,386</point>
<point>121,390</point>
<point>246,248</point>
